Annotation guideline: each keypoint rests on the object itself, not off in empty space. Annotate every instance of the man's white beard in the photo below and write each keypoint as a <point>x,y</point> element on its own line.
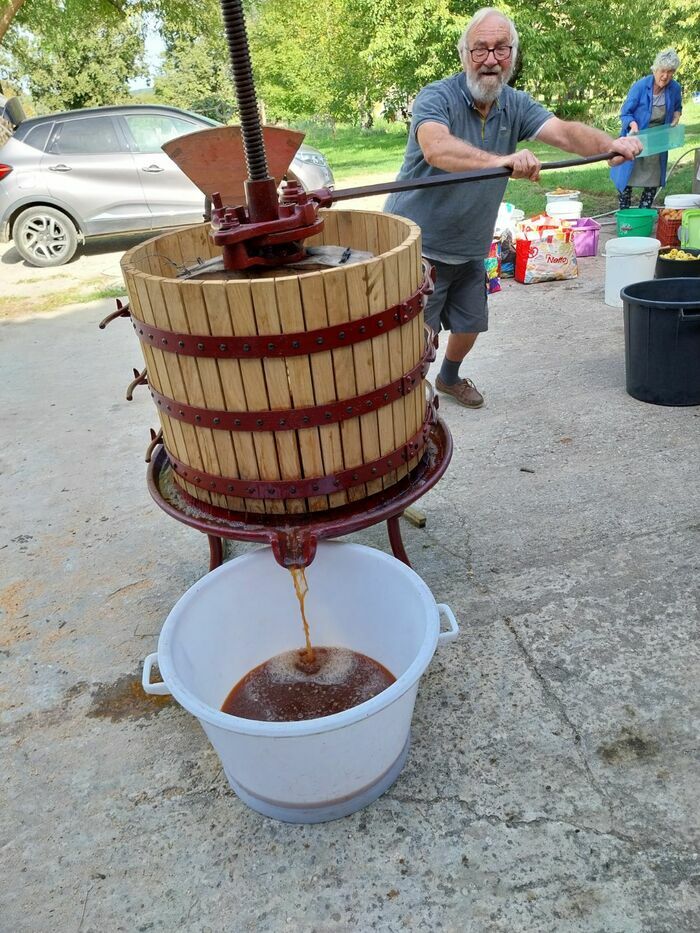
<point>484,89</point>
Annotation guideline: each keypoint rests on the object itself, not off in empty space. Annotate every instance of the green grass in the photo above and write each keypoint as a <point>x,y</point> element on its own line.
<point>13,305</point>
<point>352,151</point>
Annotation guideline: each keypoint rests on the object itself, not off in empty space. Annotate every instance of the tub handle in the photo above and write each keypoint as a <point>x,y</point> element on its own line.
<point>653,252</point>
<point>446,613</point>
<point>158,690</point>
<point>689,317</point>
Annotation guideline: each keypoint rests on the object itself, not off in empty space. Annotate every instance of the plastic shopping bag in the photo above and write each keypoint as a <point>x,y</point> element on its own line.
<point>545,258</point>
<point>493,268</point>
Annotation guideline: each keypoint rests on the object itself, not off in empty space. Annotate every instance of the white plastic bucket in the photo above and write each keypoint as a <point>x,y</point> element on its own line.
<point>565,210</point>
<point>628,259</point>
<point>569,195</point>
<point>681,202</point>
<point>243,613</point>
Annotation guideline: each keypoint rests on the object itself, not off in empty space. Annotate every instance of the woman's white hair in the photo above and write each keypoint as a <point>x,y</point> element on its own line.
<point>666,59</point>
<point>463,44</point>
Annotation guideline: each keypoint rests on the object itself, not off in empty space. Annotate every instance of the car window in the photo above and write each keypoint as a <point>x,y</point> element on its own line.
<point>37,135</point>
<point>151,130</point>
<point>86,135</point>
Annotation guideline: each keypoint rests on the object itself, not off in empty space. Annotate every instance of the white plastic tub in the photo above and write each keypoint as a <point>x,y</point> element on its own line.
<point>628,259</point>
<point>243,613</point>
<point>565,210</point>
<point>570,195</point>
<point>681,202</point>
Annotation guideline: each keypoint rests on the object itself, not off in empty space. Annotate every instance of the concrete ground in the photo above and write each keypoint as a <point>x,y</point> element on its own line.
<point>95,266</point>
<point>552,784</point>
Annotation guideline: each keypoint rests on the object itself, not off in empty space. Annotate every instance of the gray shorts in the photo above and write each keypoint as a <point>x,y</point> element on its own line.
<point>459,302</point>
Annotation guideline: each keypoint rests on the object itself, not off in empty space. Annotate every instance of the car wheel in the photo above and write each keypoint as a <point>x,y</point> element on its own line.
<point>44,236</point>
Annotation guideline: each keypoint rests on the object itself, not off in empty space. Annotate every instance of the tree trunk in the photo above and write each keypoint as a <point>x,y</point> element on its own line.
<point>8,14</point>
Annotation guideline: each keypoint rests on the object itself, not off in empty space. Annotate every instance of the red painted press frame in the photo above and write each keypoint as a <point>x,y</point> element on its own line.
<point>305,530</point>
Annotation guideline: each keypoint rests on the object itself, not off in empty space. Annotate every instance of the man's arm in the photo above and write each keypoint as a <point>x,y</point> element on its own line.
<point>444,151</point>
<point>587,140</point>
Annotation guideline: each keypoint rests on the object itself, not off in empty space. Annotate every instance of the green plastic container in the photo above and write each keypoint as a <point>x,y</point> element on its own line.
<point>661,139</point>
<point>689,233</point>
<point>635,221</point>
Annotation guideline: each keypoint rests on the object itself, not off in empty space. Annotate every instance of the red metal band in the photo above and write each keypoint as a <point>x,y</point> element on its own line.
<point>315,486</point>
<point>301,343</point>
<point>291,419</point>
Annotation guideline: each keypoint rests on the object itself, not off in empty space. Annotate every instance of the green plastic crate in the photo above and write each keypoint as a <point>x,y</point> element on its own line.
<point>689,232</point>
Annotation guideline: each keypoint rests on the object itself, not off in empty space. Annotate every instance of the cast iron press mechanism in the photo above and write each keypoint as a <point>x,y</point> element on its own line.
<point>266,231</point>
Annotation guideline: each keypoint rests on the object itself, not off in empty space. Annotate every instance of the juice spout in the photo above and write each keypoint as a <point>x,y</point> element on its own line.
<point>293,548</point>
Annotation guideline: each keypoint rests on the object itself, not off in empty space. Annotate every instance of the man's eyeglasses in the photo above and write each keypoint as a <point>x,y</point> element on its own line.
<point>501,53</point>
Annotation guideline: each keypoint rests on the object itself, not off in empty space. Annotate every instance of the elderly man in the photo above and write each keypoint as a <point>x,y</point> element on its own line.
<point>474,120</point>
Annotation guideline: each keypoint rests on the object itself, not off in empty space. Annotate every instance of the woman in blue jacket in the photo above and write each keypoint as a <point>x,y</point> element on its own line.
<point>651,101</point>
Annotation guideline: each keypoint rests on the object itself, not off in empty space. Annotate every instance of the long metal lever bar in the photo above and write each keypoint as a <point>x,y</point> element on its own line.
<point>451,178</point>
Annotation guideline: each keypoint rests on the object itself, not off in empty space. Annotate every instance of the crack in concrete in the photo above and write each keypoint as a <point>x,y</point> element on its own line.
<point>122,589</point>
<point>459,557</point>
<point>87,895</point>
<point>556,703</point>
<point>494,820</point>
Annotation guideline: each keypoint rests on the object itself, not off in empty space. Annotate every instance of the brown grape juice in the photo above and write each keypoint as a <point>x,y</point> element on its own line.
<point>292,686</point>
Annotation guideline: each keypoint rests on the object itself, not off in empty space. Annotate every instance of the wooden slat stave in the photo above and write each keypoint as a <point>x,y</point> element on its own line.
<point>288,303</point>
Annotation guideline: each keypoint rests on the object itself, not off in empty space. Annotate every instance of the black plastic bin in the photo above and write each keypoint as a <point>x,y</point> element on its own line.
<point>677,268</point>
<point>662,341</point>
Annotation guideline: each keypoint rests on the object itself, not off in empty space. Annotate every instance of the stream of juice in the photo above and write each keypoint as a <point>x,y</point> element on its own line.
<point>301,588</point>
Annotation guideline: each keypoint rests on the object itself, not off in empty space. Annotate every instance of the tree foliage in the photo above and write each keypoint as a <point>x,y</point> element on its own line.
<point>580,56</point>
<point>196,76</point>
<point>408,49</point>
<point>344,59</point>
<point>73,59</point>
<point>310,63</point>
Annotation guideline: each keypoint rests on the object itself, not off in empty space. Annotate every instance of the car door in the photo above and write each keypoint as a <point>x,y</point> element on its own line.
<point>172,198</point>
<point>90,171</point>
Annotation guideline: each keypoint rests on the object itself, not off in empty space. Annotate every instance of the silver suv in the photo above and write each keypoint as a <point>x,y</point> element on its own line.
<point>68,176</point>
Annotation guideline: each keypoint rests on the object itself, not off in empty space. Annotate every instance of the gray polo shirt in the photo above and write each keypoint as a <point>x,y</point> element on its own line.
<point>458,220</point>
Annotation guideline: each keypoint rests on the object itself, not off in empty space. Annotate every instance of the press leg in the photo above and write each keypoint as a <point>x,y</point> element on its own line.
<point>394,529</point>
<point>216,552</point>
